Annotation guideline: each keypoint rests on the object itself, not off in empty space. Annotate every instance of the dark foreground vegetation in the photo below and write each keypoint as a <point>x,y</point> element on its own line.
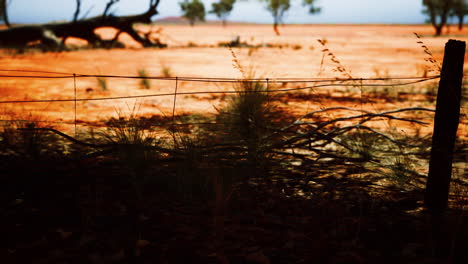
<point>251,185</point>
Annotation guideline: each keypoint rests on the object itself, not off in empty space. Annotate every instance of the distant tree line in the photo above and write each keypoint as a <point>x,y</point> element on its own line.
<point>439,12</point>
<point>194,10</point>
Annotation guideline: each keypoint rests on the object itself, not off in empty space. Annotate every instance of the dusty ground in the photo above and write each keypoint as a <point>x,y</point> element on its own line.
<point>364,51</point>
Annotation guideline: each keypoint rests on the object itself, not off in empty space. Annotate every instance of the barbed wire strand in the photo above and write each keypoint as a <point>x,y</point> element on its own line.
<point>34,71</point>
<point>71,73</point>
<point>225,80</point>
<point>210,79</point>
<point>215,92</point>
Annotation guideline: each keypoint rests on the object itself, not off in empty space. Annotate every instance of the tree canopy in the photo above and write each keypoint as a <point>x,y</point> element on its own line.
<point>313,9</point>
<point>278,9</point>
<point>193,10</point>
<point>438,12</point>
<point>222,9</point>
<point>460,10</point>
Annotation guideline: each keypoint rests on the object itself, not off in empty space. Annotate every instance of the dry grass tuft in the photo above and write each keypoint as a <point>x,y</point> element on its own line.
<point>435,65</point>
<point>328,53</point>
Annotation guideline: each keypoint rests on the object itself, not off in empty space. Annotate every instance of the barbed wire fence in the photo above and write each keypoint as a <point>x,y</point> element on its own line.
<point>308,84</point>
<point>303,84</point>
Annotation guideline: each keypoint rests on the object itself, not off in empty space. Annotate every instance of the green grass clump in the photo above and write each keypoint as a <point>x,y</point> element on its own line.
<point>102,83</point>
<point>128,130</point>
<point>190,182</point>
<point>132,137</point>
<point>166,71</point>
<point>361,145</point>
<point>28,139</point>
<point>401,170</point>
<point>144,82</point>
<point>248,117</point>
<point>134,143</point>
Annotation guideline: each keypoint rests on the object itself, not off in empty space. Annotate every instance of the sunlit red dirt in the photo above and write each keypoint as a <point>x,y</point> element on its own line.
<point>364,51</point>
<point>109,207</point>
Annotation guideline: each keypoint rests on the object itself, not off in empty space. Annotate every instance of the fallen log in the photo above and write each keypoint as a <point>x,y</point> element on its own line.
<point>54,35</point>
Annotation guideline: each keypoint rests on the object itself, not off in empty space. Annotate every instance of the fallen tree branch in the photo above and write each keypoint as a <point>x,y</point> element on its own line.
<point>49,35</point>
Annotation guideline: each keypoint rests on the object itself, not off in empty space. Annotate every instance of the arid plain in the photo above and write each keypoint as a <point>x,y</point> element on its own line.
<point>364,51</point>
<point>183,166</point>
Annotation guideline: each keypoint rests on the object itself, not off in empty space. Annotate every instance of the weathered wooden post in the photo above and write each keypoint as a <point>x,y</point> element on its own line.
<point>445,127</point>
<point>443,142</point>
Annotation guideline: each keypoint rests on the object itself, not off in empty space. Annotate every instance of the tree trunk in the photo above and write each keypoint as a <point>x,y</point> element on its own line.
<point>460,22</point>
<point>275,27</point>
<point>438,15</point>
<point>438,29</point>
<point>6,20</point>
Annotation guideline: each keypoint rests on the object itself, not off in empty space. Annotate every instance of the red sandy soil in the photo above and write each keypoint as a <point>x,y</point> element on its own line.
<point>364,50</point>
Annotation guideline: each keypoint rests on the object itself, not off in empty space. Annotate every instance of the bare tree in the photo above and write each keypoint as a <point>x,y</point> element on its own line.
<point>108,7</point>
<point>77,11</point>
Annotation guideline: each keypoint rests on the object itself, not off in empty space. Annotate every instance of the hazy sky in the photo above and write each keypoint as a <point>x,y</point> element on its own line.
<point>333,11</point>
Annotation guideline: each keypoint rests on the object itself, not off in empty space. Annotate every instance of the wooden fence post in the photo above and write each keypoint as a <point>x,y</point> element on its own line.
<point>445,127</point>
